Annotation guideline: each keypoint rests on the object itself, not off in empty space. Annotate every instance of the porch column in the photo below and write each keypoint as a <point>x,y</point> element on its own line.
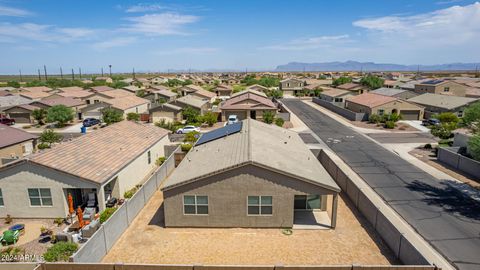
<point>334,211</point>
<point>101,199</point>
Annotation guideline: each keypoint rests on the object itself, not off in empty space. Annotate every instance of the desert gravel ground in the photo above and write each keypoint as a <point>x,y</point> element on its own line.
<point>147,241</point>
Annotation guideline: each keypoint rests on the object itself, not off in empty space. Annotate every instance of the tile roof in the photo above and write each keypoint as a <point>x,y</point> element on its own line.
<point>472,92</point>
<point>99,155</point>
<point>371,100</point>
<point>267,146</point>
<point>166,93</point>
<point>388,91</point>
<point>132,88</point>
<point>11,136</point>
<point>75,93</point>
<point>192,101</point>
<point>127,102</point>
<point>252,91</point>
<point>191,88</point>
<point>350,86</point>
<point>442,101</point>
<point>254,102</point>
<point>117,93</point>
<point>67,101</point>
<point>71,88</point>
<point>334,92</point>
<point>4,93</point>
<point>160,107</point>
<point>158,87</point>
<point>101,88</point>
<point>37,89</point>
<point>35,94</point>
<point>205,93</point>
<point>10,101</point>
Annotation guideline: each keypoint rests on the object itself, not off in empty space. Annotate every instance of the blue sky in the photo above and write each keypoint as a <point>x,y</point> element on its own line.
<point>233,34</point>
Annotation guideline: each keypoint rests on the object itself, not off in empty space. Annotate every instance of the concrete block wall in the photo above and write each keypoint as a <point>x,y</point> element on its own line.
<point>350,115</point>
<point>115,226</point>
<point>451,157</point>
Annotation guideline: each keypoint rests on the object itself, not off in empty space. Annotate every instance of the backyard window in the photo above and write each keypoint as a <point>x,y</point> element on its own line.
<point>381,112</point>
<point>195,205</point>
<point>338,99</point>
<point>149,156</point>
<point>1,198</point>
<point>446,89</point>
<point>40,197</point>
<point>260,205</point>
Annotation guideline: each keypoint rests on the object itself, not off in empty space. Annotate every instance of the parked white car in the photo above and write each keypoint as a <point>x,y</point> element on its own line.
<point>187,129</point>
<point>232,119</point>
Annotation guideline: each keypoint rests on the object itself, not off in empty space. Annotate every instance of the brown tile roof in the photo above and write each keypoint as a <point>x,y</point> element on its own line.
<point>117,93</point>
<point>71,88</point>
<point>75,93</point>
<point>204,93</point>
<point>101,88</point>
<point>157,87</point>
<point>35,95</point>
<point>67,101</point>
<point>37,89</point>
<point>256,102</point>
<point>99,155</point>
<point>127,102</point>
<point>472,92</point>
<point>192,88</point>
<point>371,100</point>
<point>350,86</point>
<point>11,136</point>
<point>333,92</point>
<point>4,93</point>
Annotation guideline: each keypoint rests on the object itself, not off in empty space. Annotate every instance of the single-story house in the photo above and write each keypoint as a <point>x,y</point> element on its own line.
<point>353,87</point>
<point>291,86</point>
<point>188,89</point>
<point>442,87</point>
<point>377,104</point>
<point>204,94</point>
<point>132,88</point>
<point>4,93</point>
<point>436,103</point>
<point>394,92</point>
<point>15,143</point>
<point>158,80</point>
<point>93,167</point>
<point>249,181</point>
<point>21,113</point>
<point>223,90</point>
<point>258,87</point>
<point>101,88</point>
<point>10,101</point>
<point>336,96</point>
<point>69,102</point>
<point>125,104</point>
<point>247,104</point>
<point>198,104</point>
<point>167,112</point>
<point>106,95</point>
<point>34,96</point>
<point>160,96</point>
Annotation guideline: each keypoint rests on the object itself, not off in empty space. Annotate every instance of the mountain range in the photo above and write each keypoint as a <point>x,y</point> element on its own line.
<point>371,66</point>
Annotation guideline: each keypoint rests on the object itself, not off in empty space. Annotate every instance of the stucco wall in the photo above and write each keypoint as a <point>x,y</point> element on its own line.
<point>167,116</point>
<point>16,150</point>
<point>17,179</point>
<point>227,194</point>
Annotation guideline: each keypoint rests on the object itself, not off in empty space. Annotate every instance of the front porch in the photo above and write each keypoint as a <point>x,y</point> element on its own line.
<point>314,212</point>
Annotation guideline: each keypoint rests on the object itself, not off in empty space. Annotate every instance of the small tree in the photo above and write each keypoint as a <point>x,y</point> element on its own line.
<point>447,117</point>
<point>471,115</point>
<point>474,146</point>
<point>192,137</point>
<point>279,122</point>
<point>372,81</point>
<point>111,116</point>
<point>190,114</point>
<point>268,117</point>
<point>60,114</point>
<point>49,137</point>
<point>39,115</point>
<point>341,80</point>
<point>374,118</point>
<point>13,84</point>
<point>131,116</point>
<point>140,93</point>
<point>210,118</point>
<point>443,131</point>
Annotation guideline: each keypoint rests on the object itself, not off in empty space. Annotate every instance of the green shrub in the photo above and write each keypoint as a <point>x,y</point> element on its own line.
<point>131,116</point>
<point>26,127</point>
<point>160,161</point>
<point>428,146</point>
<point>106,214</point>
<point>390,124</point>
<point>209,117</point>
<point>474,147</point>
<point>186,147</point>
<point>129,193</point>
<point>279,122</point>
<point>43,145</point>
<point>192,136</point>
<point>268,117</point>
<point>60,252</point>
<point>374,118</point>
<point>443,131</point>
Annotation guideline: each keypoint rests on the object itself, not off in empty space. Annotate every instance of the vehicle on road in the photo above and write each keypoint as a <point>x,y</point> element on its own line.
<point>187,129</point>
<point>7,121</point>
<point>88,122</point>
<point>232,119</point>
<point>431,122</point>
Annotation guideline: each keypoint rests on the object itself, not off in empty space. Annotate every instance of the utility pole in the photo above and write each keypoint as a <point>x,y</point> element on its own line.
<point>45,70</point>
<point>73,75</point>
<point>39,77</point>
<point>61,73</point>
<point>80,72</point>
<point>20,71</point>
<point>133,74</point>
<point>110,68</point>
<point>102,71</point>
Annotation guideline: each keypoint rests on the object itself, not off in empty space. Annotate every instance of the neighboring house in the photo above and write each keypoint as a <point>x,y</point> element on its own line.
<point>369,104</point>
<point>125,104</point>
<point>247,104</point>
<point>223,91</point>
<point>34,96</point>
<point>435,103</point>
<point>35,89</point>
<point>69,102</point>
<point>158,80</point>
<point>166,112</point>
<point>4,93</point>
<point>392,92</point>
<point>258,87</point>
<point>472,92</point>
<point>441,87</point>
<point>15,143</point>
<point>14,100</point>
<point>22,114</point>
<point>204,94</point>
<point>336,96</point>
<point>248,180</point>
<point>132,88</point>
<point>188,89</point>
<point>291,86</point>
<point>106,95</point>
<point>391,83</point>
<point>71,88</point>
<point>101,88</point>
<point>160,96</point>
<point>129,81</point>
<point>96,166</point>
<point>200,105</point>
<point>355,88</point>
<point>77,94</point>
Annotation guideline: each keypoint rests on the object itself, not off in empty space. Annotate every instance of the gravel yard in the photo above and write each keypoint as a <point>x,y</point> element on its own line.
<point>147,241</point>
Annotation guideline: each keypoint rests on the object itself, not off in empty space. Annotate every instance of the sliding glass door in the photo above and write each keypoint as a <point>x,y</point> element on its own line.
<point>307,202</point>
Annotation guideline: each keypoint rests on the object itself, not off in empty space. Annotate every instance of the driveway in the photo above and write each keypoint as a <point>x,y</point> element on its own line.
<point>437,209</point>
<point>416,124</point>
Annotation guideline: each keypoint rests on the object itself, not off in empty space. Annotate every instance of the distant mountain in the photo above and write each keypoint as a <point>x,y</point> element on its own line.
<point>370,66</point>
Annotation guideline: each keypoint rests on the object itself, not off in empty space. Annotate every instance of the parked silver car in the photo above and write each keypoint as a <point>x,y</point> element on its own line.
<point>187,129</point>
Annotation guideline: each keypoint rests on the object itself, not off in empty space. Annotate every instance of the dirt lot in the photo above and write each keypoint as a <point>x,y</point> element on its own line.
<point>146,241</point>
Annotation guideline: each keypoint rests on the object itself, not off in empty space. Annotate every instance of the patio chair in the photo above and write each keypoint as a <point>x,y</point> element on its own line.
<point>89,213</point>
<point>90,229</point>
<point>10,237</point>
<point>91,201</point>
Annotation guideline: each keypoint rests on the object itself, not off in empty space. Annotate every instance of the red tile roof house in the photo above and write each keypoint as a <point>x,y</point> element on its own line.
<point>370,103</point>
<point>15,143</point>
<point>247,104</point>
<point>21,113</point>
<point>69,102</point>
<point>122,100</point>
<point>95,166</point>
<point>353,87</point>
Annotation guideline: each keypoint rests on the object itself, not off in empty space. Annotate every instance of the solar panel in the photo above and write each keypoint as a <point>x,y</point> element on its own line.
<point>219,133</point>
<point>433,82</point>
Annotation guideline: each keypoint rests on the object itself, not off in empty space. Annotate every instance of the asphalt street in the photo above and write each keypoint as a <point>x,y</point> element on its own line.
<point>437,209</point>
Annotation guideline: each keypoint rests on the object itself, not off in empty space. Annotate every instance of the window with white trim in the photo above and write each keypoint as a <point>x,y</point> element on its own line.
<point>195,205</point>
<point>1,198</point>
<point>40,197</point>
<point>260,205</point>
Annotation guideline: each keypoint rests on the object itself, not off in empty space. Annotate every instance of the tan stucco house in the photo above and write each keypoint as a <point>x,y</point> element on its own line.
<point>247,104</point>
<point>15,143</point>
<point>249,181</point>
<point>166,112</point>
<point>441,87</point>
<point>291,86</point>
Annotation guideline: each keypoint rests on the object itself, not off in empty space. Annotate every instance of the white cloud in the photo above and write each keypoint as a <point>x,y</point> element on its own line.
<point>115,42</point>
<point>160,24</point>
<point>188,50</point>
<point>13,12</point>
<point>144,8</point>
<point>310,43</point>
<point>41,32</point>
